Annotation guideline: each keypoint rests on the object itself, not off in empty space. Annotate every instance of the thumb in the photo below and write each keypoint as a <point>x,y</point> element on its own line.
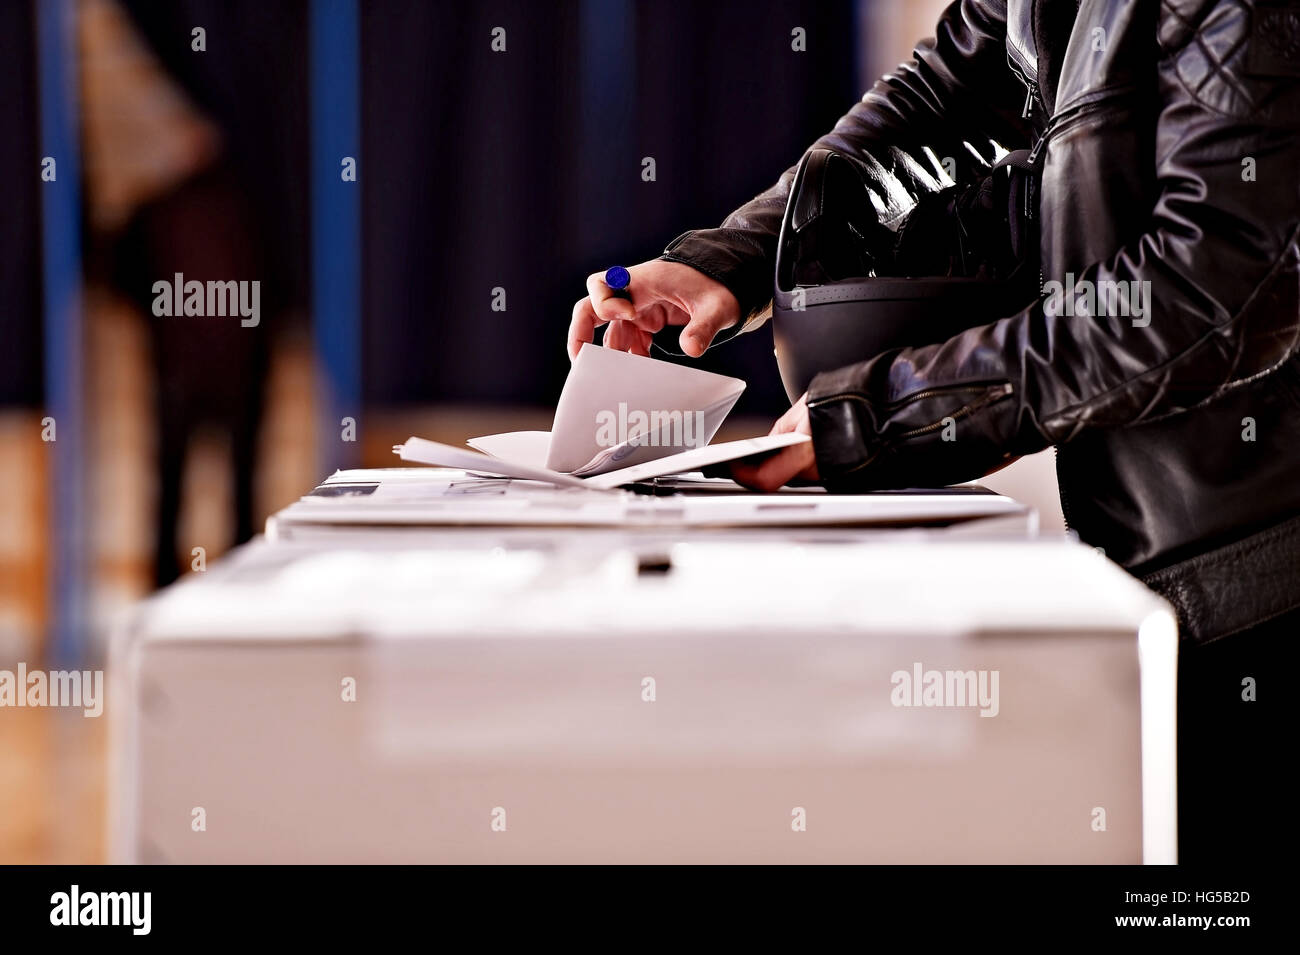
<point>701,330</point>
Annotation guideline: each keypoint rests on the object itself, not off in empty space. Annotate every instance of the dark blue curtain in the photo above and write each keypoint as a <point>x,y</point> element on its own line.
<point>478,169</point>
<point>522,170</point>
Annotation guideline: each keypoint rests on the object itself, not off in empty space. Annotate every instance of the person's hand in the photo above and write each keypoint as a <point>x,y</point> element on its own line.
<point>796,461</point>
<point>663,293</point>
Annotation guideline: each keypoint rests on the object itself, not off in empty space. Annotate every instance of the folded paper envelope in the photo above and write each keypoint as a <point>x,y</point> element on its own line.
<point>620,418</point>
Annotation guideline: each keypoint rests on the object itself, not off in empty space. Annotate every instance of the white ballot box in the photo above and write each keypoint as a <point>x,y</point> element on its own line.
<point>489,694</point>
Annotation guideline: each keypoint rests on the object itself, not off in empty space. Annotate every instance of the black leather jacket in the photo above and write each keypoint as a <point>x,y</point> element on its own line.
<point>1169,132</point>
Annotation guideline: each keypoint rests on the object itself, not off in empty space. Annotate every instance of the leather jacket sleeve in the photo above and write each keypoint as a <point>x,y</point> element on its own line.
<point>956,93</point>
<point>1220,254</point>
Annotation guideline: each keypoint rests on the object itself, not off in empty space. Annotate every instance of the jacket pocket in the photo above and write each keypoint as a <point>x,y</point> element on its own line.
<point>1086,105</point>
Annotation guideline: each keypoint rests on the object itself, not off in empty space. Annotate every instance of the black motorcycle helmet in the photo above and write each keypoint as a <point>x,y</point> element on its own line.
<point>847,288</point>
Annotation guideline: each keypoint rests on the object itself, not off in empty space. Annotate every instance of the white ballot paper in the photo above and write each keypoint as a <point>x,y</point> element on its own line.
<point>621,418</point>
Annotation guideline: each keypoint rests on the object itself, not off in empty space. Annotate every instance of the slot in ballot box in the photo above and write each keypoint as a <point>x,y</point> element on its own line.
<point>485,695</point>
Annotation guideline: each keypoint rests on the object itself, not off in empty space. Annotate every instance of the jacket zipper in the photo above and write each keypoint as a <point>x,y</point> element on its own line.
<point>996,394</point>
<point>1093,101</point>
<point>905,400</point>
<point>1031,92</point>
<point>1100,97</point>
<point>999,392</point>
<point>1031,89</point>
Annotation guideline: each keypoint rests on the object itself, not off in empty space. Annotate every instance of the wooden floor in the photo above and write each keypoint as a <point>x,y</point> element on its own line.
<point>52,787</point>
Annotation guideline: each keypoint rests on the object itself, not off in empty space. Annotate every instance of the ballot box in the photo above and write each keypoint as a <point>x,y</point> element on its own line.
<point>647,694</point>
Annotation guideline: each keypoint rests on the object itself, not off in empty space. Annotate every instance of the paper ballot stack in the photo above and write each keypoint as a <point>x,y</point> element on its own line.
<point>621,418</point>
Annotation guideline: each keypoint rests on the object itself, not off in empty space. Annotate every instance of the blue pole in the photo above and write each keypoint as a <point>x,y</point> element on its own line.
<point>336,225</point>
<point>61,279</point>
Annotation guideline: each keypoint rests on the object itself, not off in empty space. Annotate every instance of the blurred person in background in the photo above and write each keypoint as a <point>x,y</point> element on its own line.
<point>166,196</point>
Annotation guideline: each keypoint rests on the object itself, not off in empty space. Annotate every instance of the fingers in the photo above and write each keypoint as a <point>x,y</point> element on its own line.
<point>625,336</point>
<point>789,421</point>
<point>704,325</point>
<point>777,469</point>
<point>655,317</point>
<point>695,338</point>
<point>616,336</point>
<point>662,293</point>
<point>608,306</point>
<point>582,327</point>
<point>794,419</point>
<point>601,307</point>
